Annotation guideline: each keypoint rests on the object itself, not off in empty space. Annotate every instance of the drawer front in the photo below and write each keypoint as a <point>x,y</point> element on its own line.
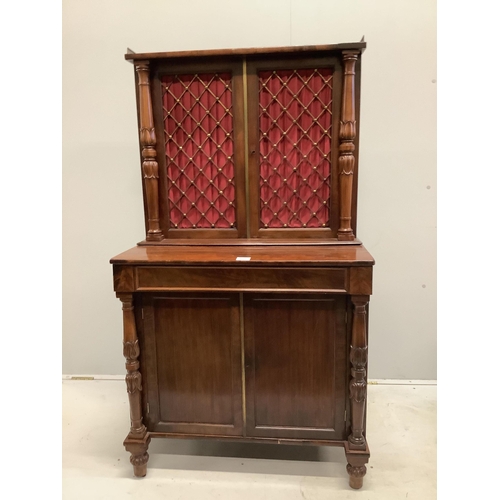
<point>241,279</point>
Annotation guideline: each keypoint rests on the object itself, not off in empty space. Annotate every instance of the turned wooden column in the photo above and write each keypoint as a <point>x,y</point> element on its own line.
<point>138,438</point>
<point>147,137</point>
<point>347,135</point>
<point>357,392</point>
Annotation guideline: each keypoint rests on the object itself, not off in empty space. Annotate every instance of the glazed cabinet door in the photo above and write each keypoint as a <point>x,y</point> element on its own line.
<point>191,360</point>
<point>295,365</point>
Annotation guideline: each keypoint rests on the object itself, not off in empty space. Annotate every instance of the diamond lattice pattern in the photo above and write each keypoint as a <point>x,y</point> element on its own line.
<point>198,125</point>
<point>295,143</point>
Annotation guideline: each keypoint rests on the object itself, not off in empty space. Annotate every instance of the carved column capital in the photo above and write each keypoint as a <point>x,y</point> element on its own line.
<point>350,57</point>
<point>142,66</point>
<point>127,300</point>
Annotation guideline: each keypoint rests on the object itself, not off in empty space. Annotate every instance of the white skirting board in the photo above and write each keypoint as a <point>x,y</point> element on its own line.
<point>375,381</point>
<point>390,381</point>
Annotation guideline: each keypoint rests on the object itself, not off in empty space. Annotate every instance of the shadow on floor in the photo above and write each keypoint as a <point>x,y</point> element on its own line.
<point>259,458</point>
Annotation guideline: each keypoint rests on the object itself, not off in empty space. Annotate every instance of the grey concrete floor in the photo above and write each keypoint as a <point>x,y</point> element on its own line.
<point>401,434</point>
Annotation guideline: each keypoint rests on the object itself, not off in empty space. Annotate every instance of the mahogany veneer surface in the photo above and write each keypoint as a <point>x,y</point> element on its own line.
<point>360,46</point>
<point>349,255</point>
<point>293,387</point>
<point>193,368</point>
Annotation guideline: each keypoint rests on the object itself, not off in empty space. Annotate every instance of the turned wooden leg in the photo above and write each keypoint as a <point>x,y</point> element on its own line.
<point>138,454</point>
<point>138,439</point>
<point>356,474</point>
<point>356,465</point>
<point>140,463</point>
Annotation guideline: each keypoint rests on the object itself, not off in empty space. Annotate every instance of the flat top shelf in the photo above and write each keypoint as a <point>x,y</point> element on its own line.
<point>349,255</point>
<point>131,56</point>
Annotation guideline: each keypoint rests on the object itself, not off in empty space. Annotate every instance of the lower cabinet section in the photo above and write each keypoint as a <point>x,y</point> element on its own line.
<point>256,365</point>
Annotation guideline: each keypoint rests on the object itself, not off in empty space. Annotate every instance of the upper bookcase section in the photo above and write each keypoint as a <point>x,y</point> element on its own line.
<point>254,144</point>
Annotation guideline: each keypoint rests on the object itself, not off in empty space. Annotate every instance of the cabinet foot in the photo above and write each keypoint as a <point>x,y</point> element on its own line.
<point>138,448</point>
<point>356,468</point>
<point>356,474</point>
<point>140,463</point>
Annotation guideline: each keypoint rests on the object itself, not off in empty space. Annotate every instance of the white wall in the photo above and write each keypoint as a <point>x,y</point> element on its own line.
<point>102,204</point>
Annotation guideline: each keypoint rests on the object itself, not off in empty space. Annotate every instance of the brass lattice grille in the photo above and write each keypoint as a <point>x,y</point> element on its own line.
<point>198,124</point>
<point>295,142</point>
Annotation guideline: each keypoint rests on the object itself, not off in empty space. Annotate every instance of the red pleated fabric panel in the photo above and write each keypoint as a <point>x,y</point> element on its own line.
<point>295,143</point>
<point>199,149</point>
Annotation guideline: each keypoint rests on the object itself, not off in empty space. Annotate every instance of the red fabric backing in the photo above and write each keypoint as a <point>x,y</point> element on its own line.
<point>197,111</point>
<point>295,142</point>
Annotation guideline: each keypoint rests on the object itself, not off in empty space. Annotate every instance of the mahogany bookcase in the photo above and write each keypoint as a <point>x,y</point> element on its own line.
<point>245,307</point>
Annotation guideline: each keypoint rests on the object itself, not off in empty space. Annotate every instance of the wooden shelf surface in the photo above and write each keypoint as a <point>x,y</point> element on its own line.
<point>349,255</point>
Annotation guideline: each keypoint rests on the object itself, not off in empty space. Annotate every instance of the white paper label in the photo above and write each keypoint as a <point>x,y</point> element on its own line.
<point>243,258</point>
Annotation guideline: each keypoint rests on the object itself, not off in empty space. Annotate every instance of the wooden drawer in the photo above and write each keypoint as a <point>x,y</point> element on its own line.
<point>241,279</point>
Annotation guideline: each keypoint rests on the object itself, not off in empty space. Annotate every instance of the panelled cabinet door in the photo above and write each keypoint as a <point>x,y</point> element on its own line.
<point>191,360</point>
<point>293,128</point>
<point>295,365</point>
